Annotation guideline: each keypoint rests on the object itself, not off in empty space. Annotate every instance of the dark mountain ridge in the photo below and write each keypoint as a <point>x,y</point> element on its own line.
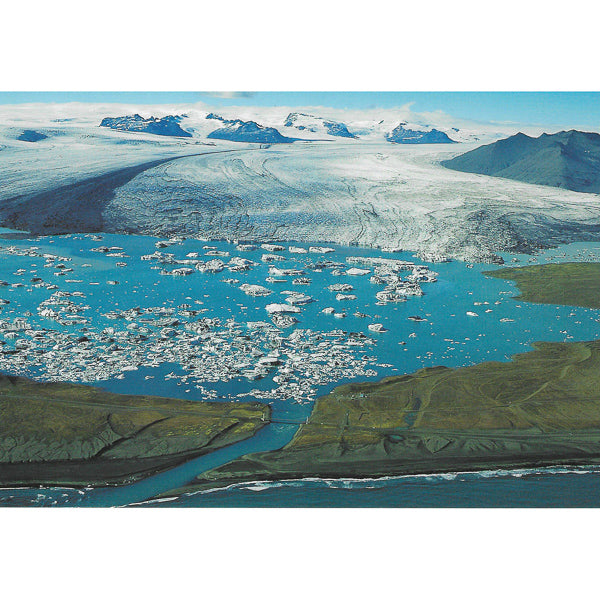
<point>567,159</point>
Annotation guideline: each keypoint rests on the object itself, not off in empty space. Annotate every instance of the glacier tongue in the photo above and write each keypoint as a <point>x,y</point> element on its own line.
<point>380,195</point>
<point>368,191</point>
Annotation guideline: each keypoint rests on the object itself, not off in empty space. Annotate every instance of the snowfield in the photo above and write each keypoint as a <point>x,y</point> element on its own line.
<point>363,191</point>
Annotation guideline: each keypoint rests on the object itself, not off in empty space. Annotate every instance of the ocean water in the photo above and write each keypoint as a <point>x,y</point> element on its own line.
<point>447,336</point>
<point>521,488</point>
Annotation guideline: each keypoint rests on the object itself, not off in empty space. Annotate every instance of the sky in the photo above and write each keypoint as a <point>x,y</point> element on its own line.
<point>576,109</point>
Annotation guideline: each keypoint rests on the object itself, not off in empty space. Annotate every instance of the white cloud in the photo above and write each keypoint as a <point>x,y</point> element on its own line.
<point>229,94</point>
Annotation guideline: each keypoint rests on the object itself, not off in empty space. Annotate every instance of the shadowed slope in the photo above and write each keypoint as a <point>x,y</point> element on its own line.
<point>76,207</point>
<point>568,159</point>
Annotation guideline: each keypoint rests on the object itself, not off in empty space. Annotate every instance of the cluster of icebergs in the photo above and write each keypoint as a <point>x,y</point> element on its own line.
<point>400,278</point>
<point>206,350</point>
<point>66,340</point>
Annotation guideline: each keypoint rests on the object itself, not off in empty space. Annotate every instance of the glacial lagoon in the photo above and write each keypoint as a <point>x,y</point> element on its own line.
<point>112,311</point>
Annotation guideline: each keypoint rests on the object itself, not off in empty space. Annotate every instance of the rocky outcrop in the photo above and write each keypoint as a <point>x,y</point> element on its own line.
<point>30,135</point>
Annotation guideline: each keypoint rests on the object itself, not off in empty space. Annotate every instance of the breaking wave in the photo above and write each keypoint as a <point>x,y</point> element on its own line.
<point>389,481</point>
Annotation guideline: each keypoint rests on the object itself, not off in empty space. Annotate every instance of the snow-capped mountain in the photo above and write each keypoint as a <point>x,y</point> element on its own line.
<point>190,121</point>
<point>236,130</point>
<point>332,124</point>
<point>403,135</point>
<point>168,125</point>
<point>304,122</point>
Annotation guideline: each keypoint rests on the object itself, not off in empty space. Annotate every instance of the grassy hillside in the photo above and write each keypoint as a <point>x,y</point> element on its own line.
<point>60,432</point>
<point>573,284</point>
<point>539,409</point>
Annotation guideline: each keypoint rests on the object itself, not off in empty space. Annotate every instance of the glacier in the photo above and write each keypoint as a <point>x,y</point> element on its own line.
<point>322,189</point>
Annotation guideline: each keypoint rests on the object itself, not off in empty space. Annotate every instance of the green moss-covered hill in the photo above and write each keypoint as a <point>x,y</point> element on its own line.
<point>76,434</point>
<point>541,408</point>
<point>573,284</point>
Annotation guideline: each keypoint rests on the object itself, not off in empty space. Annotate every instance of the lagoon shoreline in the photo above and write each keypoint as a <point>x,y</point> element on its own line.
<point>386,455</point>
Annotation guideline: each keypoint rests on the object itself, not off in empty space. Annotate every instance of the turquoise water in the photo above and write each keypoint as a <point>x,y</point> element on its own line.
<point>448,336</point>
